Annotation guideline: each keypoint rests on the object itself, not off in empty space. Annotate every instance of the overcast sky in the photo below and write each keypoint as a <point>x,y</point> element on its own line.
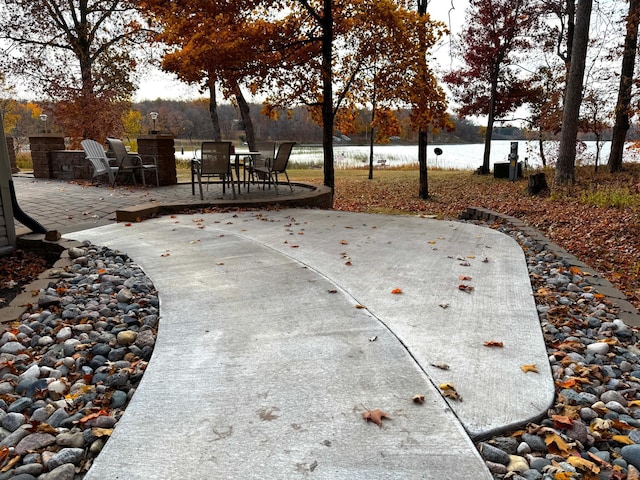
<point>156,84</point>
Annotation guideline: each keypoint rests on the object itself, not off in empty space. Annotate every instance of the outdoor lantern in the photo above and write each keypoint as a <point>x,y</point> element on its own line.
<point>154,117</point>
<point>43,118</point>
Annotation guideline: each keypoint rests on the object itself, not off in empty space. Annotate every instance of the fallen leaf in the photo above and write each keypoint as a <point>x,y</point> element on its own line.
<point>375,416</point>
<point>348,264</point>
<point>493,343</point>
<point>127,224</point>
<point>359,306</point>
<point>10,464</point>
<point>332,291</point>
<point>441,366</point>
<point>561,421</point>
<point>449,391</point>
<point>465,288</point>
<point>419,399</point>
<point>102,432</point>
<point>465,278</point>
<point>373,339</point>
<point>529,368</point>
<point>624,439</point>
<point>583,464</point>
<point>444,305</point>
<point>344,242</point>
<point>396,291</point>
<point>556,444</point>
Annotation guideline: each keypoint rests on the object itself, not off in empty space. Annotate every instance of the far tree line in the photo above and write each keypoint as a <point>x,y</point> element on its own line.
<point>336,58</point>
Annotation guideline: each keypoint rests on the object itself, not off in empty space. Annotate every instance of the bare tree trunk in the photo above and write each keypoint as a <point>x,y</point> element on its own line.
<point>541,147</point>
<point>327,95</point>
<point>245,114</point>
<point>623,105</point>
<point>422,164</point>
<point>565,168</point>
<point>371,140</point>
<point>213,110</point>
<point>486,159</point>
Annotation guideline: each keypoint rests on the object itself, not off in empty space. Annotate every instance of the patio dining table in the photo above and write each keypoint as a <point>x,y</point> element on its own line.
<point>245,155</point>
<point>236,156</point>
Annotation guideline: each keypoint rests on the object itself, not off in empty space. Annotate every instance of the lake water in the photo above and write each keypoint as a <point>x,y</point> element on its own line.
<point>458,157</point>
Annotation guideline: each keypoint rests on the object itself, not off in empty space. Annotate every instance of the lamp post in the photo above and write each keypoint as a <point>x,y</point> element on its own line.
<point>154,117</point>
<point>43,118</point>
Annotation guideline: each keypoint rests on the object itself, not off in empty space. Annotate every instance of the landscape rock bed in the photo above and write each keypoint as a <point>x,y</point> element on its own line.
<point>70,365</point>
<point>593,430</point>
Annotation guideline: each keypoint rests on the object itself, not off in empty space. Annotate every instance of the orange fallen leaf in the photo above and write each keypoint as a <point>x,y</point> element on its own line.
<point>375,416</point>
<point>138,219</point>
<point>359,306</point>
<point>493,343</point>
<point>93,415</point>
<point>529,368</point>
<point>348,264</point>
<point>562,421</point>
<point>465,288</point>
<point>583,464</point>
<point>465,278</point>
<point>344,242</point>
<point>556,444</point>
<point>396,291</point>
<point>622,439</point>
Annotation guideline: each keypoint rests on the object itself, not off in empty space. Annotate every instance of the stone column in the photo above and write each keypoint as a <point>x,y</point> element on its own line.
<point>41,145</point>
<point>12,155</point>
<point>162,148</point>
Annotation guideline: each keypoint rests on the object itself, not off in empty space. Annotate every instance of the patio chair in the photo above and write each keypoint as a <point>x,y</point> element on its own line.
<point>214,161</point>
<point>267,153</point>
<point>132,161</point>
<point>99,161</point>
<point>279,165</point>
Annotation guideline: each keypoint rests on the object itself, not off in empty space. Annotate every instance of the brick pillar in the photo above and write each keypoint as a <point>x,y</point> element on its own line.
<point>160,147</point>
<point>41,145</point>
<point>12,155</point>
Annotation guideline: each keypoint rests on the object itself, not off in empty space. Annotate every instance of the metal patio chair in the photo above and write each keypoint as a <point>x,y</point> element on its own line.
<point>214,161</point>
<point>132,160</point>
<point>278,165</point>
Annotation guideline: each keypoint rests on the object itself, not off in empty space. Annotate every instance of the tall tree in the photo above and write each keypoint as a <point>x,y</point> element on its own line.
<point>565,168</point>
<point>379,50</point>
<point>490,82</point>
<point>623,105</point>
<point>214,44</point>
<point>79,53</point>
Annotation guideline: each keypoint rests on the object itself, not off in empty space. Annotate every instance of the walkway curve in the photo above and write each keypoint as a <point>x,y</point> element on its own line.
<point>261,371</point>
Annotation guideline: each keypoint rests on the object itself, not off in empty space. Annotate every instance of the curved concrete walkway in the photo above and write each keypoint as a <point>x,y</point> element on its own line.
<point>265,361</point>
